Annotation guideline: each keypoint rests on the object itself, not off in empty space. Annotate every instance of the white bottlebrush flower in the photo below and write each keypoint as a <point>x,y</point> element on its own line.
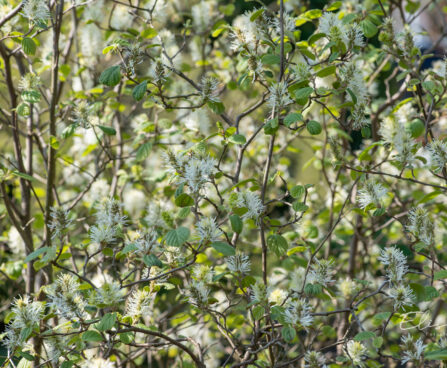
<point>56,346</point>
<point>208,231</point>
<point>30,81</point>
<point>352,77</point>
<point>146,242</point>
<point>356,352</point>
<point>102,234</point>
<point>405,146</point>
<point>420,225</point>
<point>314,359</point>
<point>198,120</point>
<point>202,15</point>
<point>333,28</point>
<point>209,89</point>
<point>134,201</point>
<point>82,114</point>
<point>122,18</point>
<point>347,288</point>
<point>246,35</point>
<point>198,172</point>
<point>412,350</point>
<point>239,263</point>
<point>203,273</point>
<point>158,72</point>
<point>302,70</point>
<point>298,312</point>
<point>198,293</point>
<point>321,272</point>
<point>36,10</point>
<point>289,22</point>
<point>15,241</point>
<point>11,339</point>
<point>59,222</point>
<point>91,41</point>
<point>372,192</point>
<point>154,217</point>
<point>277,296</point>
<point>109,212</point>
<point>359,119</point>
<point>440,68</point>
<point>252,202</point>
<point>259,292</point>
<point>297,279</point>
<point>395,262</point>
<point>279,96</point>
<point>355,36</point>
<point>438,154</point>
<point>109,294</point>
<point>139,303</point>
<point>65,298</point>
<point>97,363</point>
<point>403,296</point>
<point>27,313</point>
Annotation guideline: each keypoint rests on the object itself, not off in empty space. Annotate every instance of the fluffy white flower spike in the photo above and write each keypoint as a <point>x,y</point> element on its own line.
<point>372,193</point>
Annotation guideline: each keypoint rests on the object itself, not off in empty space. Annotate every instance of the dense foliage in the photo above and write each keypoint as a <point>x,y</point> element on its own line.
<point>222,184</point>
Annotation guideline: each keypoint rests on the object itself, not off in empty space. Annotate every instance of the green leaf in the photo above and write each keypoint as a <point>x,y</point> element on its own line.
<point>292,118</point>
<point>430,293</point>
<point>442,274</point>
<point>35,254</point>
<point>126,337</point>
<point>436,355</point>
<point>149,33</point>
<point>236,223</point>
<point>22,175</point>
<point>151,260</point>
<point>139,91</point>
<point>256,14</point>
<point>184,200</point>
<point>129,248</point>
<point>312,289</point>
<point>28,46</point>
<point>334,6</point>
<point>369,28</point>
<point>270,59</point>
<point>107,322</point>
<point>303,93</point>
<point>377,342</point>
<point>216,106</point>
<point>67,364</point>
<point>143,151</point>
<point>258,312</point>
<point>23,109</point>
<point>364,335</point>
<point>177,237</point>
<point>224,248</point>
<point>25,333</point>
<point>278,244</point>
<point>288,333</point>
<point>107,130</point>
<point>111,76</point>
<point>326,71</point>
<point>416,128</point>
<point>314,127</point>
<point>31,96</point>
<point>91,336</point>
<point>237,139</point>
<point>271,126</point>
<point>297,191</point>
<point>25,362</point>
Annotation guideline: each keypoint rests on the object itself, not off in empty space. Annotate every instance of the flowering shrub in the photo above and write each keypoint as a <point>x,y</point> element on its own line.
<point>222,184</point>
